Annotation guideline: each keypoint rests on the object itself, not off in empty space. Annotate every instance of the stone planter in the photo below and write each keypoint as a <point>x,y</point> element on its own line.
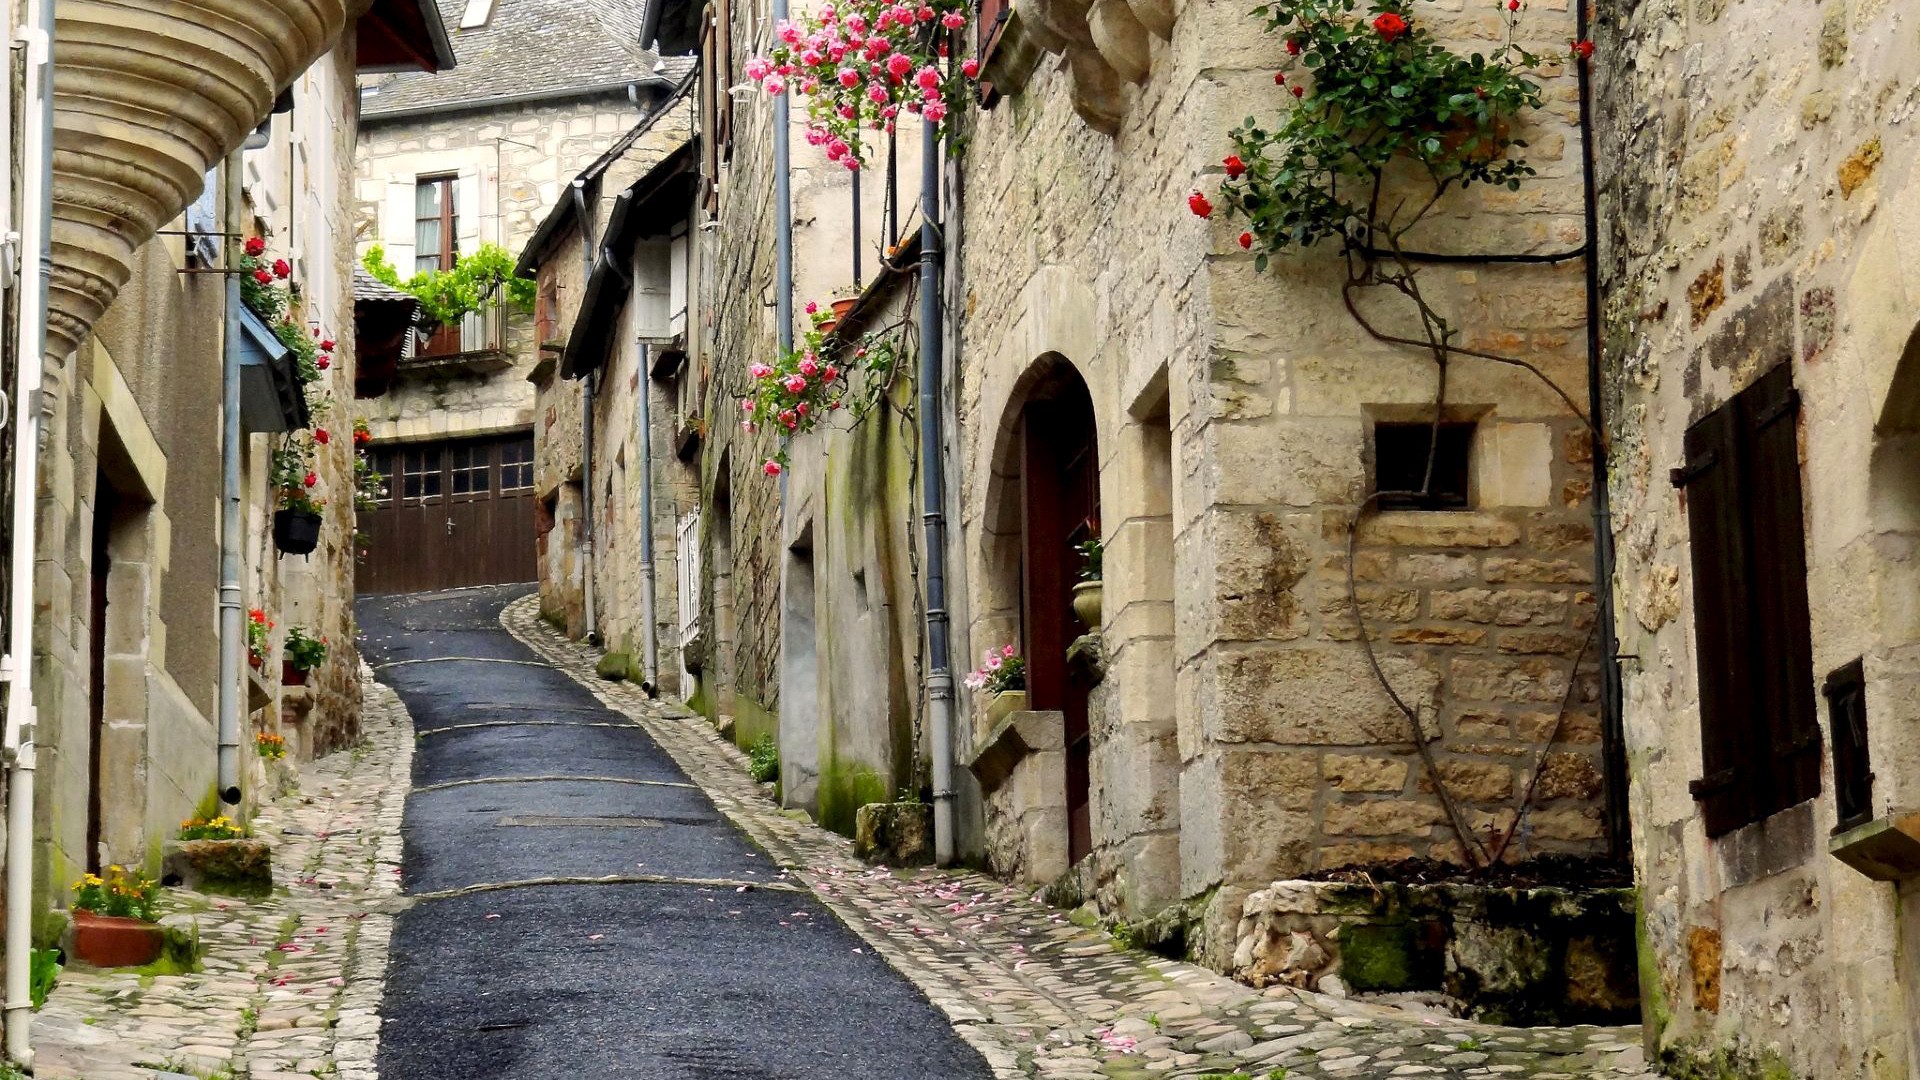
<point>239,867</point>
<point>1086,603</point>
<point>1004,702</point>
<point>894,834</point>
<point>107,941</point>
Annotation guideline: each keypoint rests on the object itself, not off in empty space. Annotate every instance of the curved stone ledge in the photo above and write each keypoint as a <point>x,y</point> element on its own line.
<point>149,95</point>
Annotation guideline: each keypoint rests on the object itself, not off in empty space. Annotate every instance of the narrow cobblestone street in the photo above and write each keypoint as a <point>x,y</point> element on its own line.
<point>572,905</point>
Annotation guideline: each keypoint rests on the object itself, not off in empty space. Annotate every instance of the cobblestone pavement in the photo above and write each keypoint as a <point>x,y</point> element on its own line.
<point>1040,996</point>
<point>290,985</point>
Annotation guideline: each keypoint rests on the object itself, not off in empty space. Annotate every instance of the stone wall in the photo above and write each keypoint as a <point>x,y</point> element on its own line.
<point>618,569</point>
<point>133,462</point>
<point>1233,414</point>
<point>1757,177</point>
<point>517,160</point>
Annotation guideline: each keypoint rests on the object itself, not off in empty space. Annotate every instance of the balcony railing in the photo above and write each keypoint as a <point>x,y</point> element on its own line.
<point>477,343</point>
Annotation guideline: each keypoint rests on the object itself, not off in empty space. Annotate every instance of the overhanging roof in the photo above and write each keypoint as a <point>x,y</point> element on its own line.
<point>652,206</point>
<point>402,35</point>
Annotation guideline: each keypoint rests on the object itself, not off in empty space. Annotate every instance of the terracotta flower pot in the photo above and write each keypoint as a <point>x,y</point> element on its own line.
<point>1086,603</point>
<point>292,676</point>
<point>844,305</point>
<point>108,941</point>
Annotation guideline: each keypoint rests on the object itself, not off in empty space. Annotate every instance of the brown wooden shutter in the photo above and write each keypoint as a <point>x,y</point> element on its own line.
<point>1783,663</point>
<point>1721,619</point>
<point>1760,740</point>
<point>988,20</point>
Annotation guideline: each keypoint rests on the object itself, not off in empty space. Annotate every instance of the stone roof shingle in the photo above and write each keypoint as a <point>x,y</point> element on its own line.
<point>529,48</point>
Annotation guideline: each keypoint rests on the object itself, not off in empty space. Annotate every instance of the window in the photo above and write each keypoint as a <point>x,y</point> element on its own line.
<point>434,230</point>
<point>1741,481</point>
<point>471,468</point>
<point>1400,474</point>
<point>419,473</point>
<point>516,465</point>
<point>476,14</point>
<point>1846,694</point>
<point>382,460</point>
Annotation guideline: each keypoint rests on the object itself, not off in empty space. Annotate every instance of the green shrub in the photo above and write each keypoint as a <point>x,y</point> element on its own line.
<point>763,759</point>
<point>43,972</point>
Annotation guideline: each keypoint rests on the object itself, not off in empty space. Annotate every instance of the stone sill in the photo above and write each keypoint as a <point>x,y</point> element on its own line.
<point>1021,733</point>
<point>1887,849</point>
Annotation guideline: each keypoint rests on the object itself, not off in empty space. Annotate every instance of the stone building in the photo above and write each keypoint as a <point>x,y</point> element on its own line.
<point>617,331</point>
<point>127,630</point>
<point>445,165</point>
<point>1119,371</point>
<point>1757,177</point>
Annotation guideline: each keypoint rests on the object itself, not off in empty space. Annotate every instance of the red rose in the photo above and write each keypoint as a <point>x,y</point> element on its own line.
<point>1235,166</point>
<point>1198,203</point>
<point>282,269</point>
<point>1513,5</point>
<point>1583,49</point>
<point>1293,46</point>
<point>263,277</point>
<point>1389,25</point>
<point>310,480</point>
<point>256,246</point>
<point>1279,78</point>
<point>327,345</point>
<point>320,436</point>
<point>1298,92</point>
<point>323,363</point>
<point>361,438</point>
<point>1246,240</point>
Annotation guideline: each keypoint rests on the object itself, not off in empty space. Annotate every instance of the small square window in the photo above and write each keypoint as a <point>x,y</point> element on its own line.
<point>1400,465</point>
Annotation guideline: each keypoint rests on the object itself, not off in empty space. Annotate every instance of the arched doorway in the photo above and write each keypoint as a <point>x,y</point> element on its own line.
<point>1059,509</point>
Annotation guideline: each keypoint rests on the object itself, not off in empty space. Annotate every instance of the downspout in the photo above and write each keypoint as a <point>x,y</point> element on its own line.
<point>933,500</point>
<point>643,410</point>
<point>782,222</point>
<point>586,419</point>
<point>233,673</point>
<point>36,213</point>
<point>1612,714</point>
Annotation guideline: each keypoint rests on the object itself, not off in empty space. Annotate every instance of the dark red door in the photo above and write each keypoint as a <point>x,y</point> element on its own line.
<point>1061,506</point>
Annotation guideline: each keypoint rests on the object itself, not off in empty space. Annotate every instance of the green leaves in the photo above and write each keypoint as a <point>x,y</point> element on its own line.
<point>447,296</point>
<point>1380,102</point>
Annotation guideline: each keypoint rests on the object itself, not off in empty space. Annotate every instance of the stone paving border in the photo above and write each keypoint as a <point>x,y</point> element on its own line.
<point>1039,996</point>
<point>289,986</point>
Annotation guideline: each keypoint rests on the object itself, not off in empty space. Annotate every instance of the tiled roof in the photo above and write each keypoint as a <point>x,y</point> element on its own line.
<point>528,48</point>
<point>368,287</point>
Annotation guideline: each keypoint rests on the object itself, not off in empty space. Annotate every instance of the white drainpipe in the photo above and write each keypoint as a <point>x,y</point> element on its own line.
<point>36,179</point>
<point>650,674</point>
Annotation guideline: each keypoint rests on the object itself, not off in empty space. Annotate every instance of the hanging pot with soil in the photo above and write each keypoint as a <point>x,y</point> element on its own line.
<point>296,532</point>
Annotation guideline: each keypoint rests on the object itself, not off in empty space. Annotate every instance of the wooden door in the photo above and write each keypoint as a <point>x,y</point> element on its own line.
<point>1061,507</point>
<point>103,509</point>
<point>457,513</point>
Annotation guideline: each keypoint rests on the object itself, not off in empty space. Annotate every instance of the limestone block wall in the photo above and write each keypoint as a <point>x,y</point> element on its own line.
<point>1234,414</point>
<point>1757,175</point>
<point>513,162</point>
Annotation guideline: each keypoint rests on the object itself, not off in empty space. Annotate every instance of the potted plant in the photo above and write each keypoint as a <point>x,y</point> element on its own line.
<point>296,520</point>
<point>302,654</point>
<point>270,746</point>
<point>1087,591</point>
<point>113,919</point>
<point>259,642</point>
<point>1003,674</point>
<point>218,855</point>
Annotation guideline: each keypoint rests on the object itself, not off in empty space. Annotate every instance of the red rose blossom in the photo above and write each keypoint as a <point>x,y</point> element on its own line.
<point>1246,240</point>
<point>1583,49</point>
<point>327,345</point>
<point>1279,78</point>
<point>1298,92</point>
<point>282,268</point>
<point>1198,203</point>
<point>263,277</point>
<point>1389,25</point>
<point>1235,166</point>
<point>323,363</point>
<point>256,246</point>
<point>310,480</point>
<point>1293,46</point>
<point>320,436</point>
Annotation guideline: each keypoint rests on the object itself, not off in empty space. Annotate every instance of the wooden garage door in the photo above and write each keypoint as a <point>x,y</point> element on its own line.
<point>455,513</point>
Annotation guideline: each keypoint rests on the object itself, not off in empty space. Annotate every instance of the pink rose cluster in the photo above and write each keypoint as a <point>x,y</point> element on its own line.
<point>862,63</point>
<point>794,394</point>
<point>1001,668</point>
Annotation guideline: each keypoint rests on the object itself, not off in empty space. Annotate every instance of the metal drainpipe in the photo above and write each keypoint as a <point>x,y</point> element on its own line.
<point>36,211</point>
<point>232,630</point>
<point>933,500</point>
<point>643,409</point>
<point>782,222</point>
<point>1612,712</point>
<point>586,419</point>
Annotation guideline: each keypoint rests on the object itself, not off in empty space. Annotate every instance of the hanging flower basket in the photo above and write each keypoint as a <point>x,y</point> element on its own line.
<point>296,532</point>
